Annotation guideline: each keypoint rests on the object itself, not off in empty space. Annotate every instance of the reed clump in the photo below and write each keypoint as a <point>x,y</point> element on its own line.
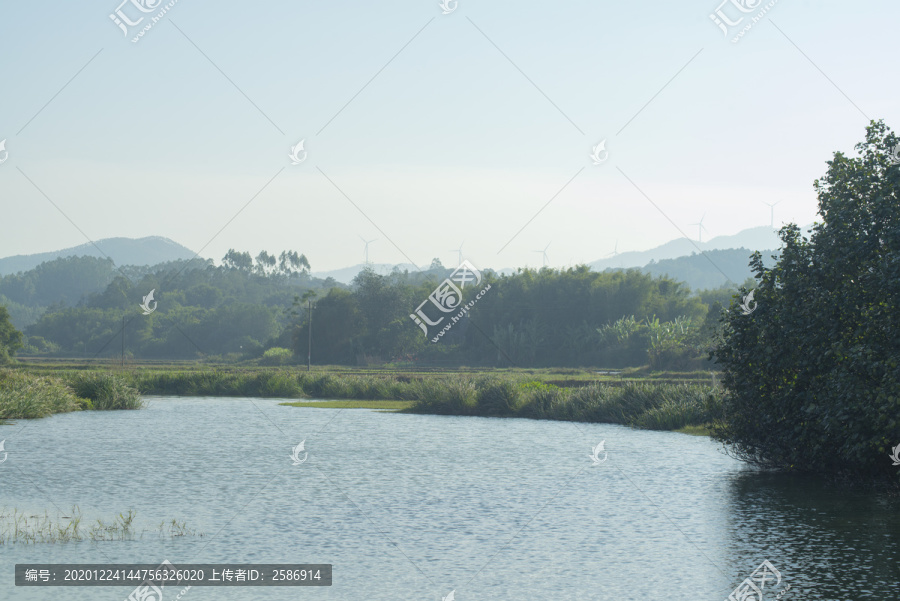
<point>19,527</point>
<point>106,391</point>
<point>455,396</point>
<point>643,405</point>
<point>497,397</point>
<point>26,396</point>
<point>267,383</point>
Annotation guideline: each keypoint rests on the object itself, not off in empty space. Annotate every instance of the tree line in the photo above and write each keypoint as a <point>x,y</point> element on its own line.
<point>247,305</point>
<point>533,318</point>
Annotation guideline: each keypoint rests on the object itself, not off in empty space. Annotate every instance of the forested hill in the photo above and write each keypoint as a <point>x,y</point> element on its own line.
<point>711,269</point>
<point>151,250</point>
<point>97,282</point>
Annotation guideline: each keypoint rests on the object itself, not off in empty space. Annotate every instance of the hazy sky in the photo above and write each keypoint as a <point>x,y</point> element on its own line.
<point>437,129</point>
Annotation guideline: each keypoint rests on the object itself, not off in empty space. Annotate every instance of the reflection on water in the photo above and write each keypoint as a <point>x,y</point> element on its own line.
<point>834,544</point>
<point>412,507</point>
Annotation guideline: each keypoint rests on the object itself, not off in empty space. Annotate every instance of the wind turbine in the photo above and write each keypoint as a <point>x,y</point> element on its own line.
<point>615,250</point>
<point>458,251</point>
<point>544,253</point>
<point>771,212</point>
<point>367,242</point>
<point>700,228</point>
<point>615,253</point>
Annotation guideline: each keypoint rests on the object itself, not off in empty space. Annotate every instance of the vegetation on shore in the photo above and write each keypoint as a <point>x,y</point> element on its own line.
<point>813,370</point>
<point>667,404</point>
<point>106,391</point>
<point>643,404</point>
<point>25,395</point>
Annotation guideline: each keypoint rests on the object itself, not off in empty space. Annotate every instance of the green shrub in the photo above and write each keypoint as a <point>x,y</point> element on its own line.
<point>107,391</point>
<point>324,386</point>
<point>272,384</point>
<point>24,396</point>
<point>277,356</point>
<point>671,415</point>
<point>497,397</point>
<point>597,403</point>
<point>542,401</point>
<point>460,396</point>
<point>452,396</point>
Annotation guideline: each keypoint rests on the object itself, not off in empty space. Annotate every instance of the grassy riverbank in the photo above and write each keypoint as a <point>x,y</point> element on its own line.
<point>647,405</point>
<point>682,408</point>
<point>671,401</point>
<point>536,394</point>
<point>25,395</point>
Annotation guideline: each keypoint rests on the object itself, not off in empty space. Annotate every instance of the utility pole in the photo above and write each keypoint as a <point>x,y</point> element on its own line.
<point>309,345</point>
<point>123,341</point>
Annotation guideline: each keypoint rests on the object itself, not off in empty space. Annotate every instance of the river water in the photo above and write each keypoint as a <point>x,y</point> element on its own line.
<point>414,507</point>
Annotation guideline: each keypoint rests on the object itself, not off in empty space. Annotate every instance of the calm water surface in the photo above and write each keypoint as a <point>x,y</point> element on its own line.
<point>412,507</point>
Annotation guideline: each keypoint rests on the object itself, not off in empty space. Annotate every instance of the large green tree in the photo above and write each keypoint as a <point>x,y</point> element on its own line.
<point>814,371</point>
<point>10,337</point>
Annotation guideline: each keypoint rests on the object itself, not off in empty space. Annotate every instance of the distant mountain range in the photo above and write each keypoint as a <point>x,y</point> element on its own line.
<point>717,261</point>
<point>123,251</point>
<point>756,238</point>
<point>699,264</point>
<point>711,269</point>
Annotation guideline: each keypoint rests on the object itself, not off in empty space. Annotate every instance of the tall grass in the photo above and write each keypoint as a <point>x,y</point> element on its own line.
<point>497,397</point>
<point>25,396</point>
<point>643,405</point>
<point>106,391</point>
<point>268,383</point>
<point>456,396</point>
<point>272,383</point>
<point>683,406</point>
